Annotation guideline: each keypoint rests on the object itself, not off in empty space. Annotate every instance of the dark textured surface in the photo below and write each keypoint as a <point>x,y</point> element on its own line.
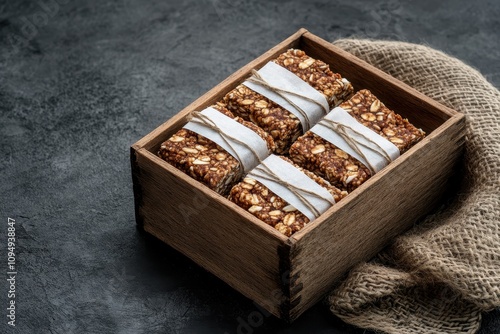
<point>82,83</point>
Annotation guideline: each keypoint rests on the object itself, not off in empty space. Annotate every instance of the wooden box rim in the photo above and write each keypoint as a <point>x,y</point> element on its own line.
<point>145,145</point>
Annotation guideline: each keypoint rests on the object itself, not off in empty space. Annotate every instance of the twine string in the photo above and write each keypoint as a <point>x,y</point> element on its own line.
<point>256,78</point>
<point>341,130</point>
<point>198,117</point>
<point>269,175</point>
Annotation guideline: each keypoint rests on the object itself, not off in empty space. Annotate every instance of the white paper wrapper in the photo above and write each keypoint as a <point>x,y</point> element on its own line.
<point>296,180</point>
<point>375,148</point>
<point>285,80</point>
<point>228,128</point>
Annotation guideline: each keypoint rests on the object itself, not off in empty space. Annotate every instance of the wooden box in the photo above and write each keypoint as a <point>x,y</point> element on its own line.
<point>287,275</point>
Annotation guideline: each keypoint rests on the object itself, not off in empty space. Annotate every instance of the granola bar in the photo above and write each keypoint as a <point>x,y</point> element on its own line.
<point>283,126</point>
<point>204,160</point>
<point>372,113</point>
<point>323,158</point>
<point>257,199</point>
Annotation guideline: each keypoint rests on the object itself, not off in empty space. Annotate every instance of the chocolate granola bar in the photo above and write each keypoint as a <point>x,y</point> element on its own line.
<point>284,126</point>
<point>325,159</point>
<point>204,160</point>
<point>257,199</point>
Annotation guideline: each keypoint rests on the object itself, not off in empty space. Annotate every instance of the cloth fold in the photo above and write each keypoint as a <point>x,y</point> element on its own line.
<point>442,274</point>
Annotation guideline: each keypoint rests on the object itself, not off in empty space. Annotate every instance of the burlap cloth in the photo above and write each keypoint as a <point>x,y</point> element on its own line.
<point>441,275</point>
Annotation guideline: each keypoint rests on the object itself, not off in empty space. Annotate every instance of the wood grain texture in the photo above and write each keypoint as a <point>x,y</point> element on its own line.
<point>210,230</point>
<point>389,203</point>
<point>288,275</point>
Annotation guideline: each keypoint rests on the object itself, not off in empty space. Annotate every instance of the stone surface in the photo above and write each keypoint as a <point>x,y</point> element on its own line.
<point>80,81</point>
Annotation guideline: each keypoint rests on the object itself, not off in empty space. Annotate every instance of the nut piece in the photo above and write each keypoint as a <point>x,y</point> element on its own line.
<point>261,104</point>
<point>246,186</point>
<point>350,178</point>
<point>375,106</point>
<point>318,149</point>
<point>396,140</point>
<point>220,156</point>
<point>306,63</point>
<point>200,162</point>
<point>249,180</point>
<point>190,150</point>
<point>255,199</point>
<point>254,208</point>
<point>176,139</point>
<point>368,116</point>
<point>351,167</point>
<point>341,154</point>
<point>200,148</point>
<point>289,219</point>
<point>389,132</point>
<point>283,229</point>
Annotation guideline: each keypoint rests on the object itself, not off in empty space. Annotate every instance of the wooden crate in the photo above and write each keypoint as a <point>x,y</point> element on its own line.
<point>287,275</point>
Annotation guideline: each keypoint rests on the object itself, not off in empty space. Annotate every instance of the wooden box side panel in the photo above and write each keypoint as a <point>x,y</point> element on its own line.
<point>209,230</point>
<point>359,226</point>
<point>422,111</point>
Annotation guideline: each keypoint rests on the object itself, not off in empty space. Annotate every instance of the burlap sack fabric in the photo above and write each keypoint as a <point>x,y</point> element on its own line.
<point>441,275</point>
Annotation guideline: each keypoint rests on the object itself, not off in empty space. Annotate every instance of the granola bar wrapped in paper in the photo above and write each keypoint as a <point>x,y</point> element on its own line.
<point>327,157</point>
<point>283,123</point>
<point>207,161</point>
<point>254,194</point>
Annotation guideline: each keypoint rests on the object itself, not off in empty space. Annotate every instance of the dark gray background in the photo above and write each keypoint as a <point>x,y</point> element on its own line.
<point>82,82</point>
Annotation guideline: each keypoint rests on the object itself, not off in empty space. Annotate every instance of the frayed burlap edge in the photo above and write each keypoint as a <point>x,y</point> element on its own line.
<point>440,276</point>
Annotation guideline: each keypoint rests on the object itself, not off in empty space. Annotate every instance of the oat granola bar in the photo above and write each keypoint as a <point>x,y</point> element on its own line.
<point>283,126</point>
<point>257,199</point>
<point>204,160</point>
<point>323,158</point>
<point>372,113</point>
